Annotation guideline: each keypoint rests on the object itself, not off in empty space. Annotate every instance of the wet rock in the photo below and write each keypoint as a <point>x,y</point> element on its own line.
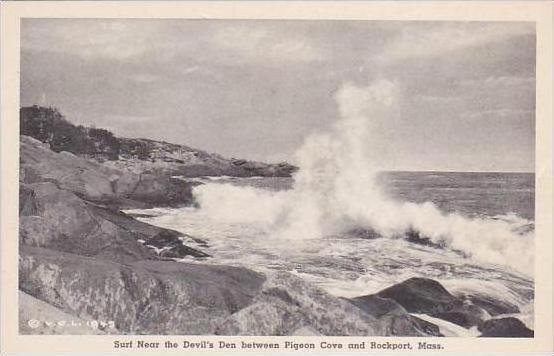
<point>504,327</point>
<point>422,296</point>
<point>427,296</point>
<point>466,316</point>
<point>415,237</point>
<point>152,235</point>
<point>164,238</point>
<point>396,319</point>
<point>181,251</point>
<point>360,233</point>
<point>493,305</point>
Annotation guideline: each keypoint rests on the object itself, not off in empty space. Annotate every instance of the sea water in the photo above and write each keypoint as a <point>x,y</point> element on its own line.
<point>352,230</point>
<point>239,233</point>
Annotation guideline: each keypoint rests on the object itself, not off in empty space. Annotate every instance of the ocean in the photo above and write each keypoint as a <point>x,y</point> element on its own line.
<point>475,224</point>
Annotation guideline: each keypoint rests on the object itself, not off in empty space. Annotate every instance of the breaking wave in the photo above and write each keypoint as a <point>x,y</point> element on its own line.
<point>336,191</point>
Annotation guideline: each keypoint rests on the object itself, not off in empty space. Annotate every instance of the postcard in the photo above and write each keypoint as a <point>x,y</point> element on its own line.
<point>276,177</point>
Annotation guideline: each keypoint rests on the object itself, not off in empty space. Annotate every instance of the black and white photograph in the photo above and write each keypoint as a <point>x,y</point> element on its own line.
<point>277,177</point>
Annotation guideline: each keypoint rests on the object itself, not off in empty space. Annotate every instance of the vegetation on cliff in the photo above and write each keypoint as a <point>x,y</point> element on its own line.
<point>49,126</point>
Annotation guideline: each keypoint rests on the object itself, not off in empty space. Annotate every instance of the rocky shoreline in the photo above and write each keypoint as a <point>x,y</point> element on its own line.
<point>81,257</point>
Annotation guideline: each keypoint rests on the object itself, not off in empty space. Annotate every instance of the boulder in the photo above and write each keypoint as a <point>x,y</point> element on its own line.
<point>63,221</point>
<point>160,190</point>
<point>396,319</point>
<point>504,327</point>
<point>287,304</point>
<point>143,297</point>
<point>422,296</point>
<point>427,296</point>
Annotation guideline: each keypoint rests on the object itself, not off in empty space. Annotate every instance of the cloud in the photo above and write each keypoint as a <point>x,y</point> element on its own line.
<point>492,83</point>
<point>189,70</point>
<point>505,114</point>
<point>428,40</point>
<point>88,38</point>
<point>262,44</point>
<point>165,41</point>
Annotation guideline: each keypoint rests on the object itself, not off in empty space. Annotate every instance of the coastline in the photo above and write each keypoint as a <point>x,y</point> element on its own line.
<point>84,257</point>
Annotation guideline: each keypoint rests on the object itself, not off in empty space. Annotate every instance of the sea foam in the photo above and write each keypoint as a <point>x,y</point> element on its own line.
<point>336,191</point>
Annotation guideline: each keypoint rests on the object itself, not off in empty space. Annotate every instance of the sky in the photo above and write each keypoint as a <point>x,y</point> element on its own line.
<point>256,89</point>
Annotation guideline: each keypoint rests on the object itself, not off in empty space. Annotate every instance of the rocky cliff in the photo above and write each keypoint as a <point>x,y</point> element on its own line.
<point>137,155</point>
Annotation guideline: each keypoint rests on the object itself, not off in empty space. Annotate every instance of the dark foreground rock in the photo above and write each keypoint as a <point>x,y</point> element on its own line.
<point>396,319</point>
<point>153,297</point>
<point>59,219</point>
<point>427,296</point>
<point>168,243</point>
<point>492,305</point>
<point>504,327</point>
<point>162,297</point>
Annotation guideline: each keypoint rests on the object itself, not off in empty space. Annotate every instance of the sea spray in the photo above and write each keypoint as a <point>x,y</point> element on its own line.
<point>336,190</point>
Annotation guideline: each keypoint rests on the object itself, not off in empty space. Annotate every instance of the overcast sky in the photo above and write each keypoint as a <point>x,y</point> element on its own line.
<point>256,89</point>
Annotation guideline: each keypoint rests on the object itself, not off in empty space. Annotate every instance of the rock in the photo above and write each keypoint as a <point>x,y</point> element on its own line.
<point>396,319</point>
<point>99,183</point>
<point>287,303</point>
<point>85,178</point>
<point>363,233</point>
<point>422,296</point>
<point>180,251</point>
<point>159,190</point>
<point>135,154</point>
<point>34,313</point>
<point>153,235</point>
<point>377,306</point>
<point>36,231</point>
<point>305,331</point>
<point>282,169</point>
<point>143,297</point>
<point>168,241</point>
<point>67,223</point>
<point>426,296</point>
<point>27,201</point>
<point>467,317</point>
<point>414,236</point>
<point>504,327</point>
<point>493,305</point>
